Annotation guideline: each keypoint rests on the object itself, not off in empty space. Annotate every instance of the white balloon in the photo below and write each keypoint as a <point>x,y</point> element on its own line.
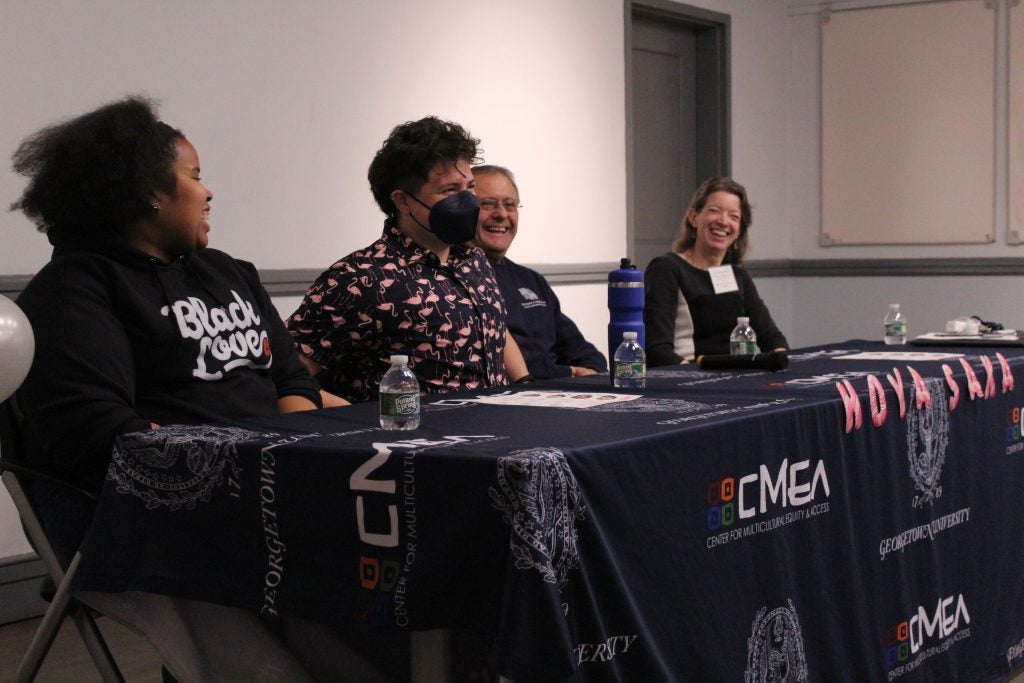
<point>17,346</point>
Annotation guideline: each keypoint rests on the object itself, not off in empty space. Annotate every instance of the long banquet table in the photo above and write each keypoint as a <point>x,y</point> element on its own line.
<point>853,517</point>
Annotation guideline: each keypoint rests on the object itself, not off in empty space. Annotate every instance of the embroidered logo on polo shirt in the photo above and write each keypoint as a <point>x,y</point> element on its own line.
<point>530,298</point>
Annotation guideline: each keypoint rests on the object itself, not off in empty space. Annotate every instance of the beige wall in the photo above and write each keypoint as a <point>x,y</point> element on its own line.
<point>288,101</point>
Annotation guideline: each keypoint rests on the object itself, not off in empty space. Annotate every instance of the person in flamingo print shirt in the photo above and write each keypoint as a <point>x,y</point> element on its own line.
<point>418,290</point>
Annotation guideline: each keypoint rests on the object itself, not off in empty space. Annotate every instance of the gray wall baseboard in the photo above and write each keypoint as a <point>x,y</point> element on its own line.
<point>294,281</point>
<point>925,267</point>
<point>11,285</point>
<point>19,588</point>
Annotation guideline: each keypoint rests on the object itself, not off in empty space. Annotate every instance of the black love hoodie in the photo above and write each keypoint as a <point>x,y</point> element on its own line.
<point>124,340</point>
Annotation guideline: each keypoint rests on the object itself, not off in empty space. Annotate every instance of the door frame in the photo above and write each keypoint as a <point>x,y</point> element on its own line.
<point>713,87</point>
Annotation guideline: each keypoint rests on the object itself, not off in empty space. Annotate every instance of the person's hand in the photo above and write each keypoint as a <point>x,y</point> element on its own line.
<point>582,372</point>
<point>515,364</point>
<point>332,401</point>
<point>294,404</point>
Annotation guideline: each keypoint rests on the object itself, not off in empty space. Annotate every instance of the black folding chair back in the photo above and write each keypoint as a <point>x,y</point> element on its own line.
<point>15,473</point>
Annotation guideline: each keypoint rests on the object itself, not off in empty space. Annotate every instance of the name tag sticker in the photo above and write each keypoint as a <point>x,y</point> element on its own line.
<point>723,279</point>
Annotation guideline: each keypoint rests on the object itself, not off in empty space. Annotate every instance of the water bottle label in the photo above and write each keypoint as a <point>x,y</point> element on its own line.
<point>400,404</point>
<point>630,370</point>
<point>737,348</point>
<point>896,329</point>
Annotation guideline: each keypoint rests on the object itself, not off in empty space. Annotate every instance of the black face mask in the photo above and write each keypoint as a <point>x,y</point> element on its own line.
<point>454,218</point>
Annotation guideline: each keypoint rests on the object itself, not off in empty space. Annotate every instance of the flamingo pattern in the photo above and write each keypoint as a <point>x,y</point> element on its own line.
<point>394,297</point>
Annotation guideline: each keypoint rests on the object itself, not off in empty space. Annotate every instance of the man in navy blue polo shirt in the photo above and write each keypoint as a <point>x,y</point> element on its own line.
<point>550,342</point>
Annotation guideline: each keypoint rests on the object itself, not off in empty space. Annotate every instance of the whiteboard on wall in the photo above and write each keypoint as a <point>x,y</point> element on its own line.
<point>1017,123</point>
<point>908,124</point>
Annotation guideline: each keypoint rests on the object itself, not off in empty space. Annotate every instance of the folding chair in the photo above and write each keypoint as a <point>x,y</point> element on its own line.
<point>63,604</point>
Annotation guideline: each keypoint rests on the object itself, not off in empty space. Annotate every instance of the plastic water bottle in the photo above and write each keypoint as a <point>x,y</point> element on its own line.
<point>895,326</point>
<point>625,305</point>
<point>629,367</point>
<point>743,340</point>
<point>399,397</point>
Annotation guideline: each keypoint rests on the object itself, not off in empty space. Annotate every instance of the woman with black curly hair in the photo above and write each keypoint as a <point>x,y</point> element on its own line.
<point>137,323</point>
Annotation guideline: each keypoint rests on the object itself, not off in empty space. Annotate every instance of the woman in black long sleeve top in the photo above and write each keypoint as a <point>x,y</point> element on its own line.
<point>694,294</point>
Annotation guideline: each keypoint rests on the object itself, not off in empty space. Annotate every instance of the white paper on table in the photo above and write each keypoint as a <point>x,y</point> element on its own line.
<point>555,399</point>
<point>953,337</point>
<point>924,356</point>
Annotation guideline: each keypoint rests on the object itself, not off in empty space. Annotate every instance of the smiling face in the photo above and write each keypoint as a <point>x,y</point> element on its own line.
<point>181,223</point>
<point>499,214</point>
<point>717,224</point>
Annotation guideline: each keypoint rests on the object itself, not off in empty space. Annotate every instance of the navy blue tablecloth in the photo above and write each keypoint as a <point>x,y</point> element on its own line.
<point>724,526</point>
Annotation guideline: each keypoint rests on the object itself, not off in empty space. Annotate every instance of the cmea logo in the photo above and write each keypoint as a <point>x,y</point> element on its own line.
<point>1014,417</point>
<point>929,631</point>
<point>384,488</point>
<point>379,579</point>
<point>775,649</point>
<point>792,485</point>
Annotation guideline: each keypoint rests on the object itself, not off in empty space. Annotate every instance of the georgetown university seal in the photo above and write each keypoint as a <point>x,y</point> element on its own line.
<point>927,438</point>
<point>176,466</point>
<point>540,499</point>
<point>775,649</point>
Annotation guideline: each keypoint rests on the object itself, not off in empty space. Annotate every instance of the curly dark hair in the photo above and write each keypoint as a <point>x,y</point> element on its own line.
<point>96,174</point>
<point>688,232</point>
<point>411,150</point>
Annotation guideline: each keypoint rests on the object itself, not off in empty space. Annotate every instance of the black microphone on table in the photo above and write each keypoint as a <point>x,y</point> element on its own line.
<point>773,360</point>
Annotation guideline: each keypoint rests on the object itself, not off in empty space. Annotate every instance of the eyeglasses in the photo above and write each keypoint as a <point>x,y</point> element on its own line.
<point>490,204</point>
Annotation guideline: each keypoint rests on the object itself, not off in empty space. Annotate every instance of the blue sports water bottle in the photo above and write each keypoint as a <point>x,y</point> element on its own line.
<point>625,305</point>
